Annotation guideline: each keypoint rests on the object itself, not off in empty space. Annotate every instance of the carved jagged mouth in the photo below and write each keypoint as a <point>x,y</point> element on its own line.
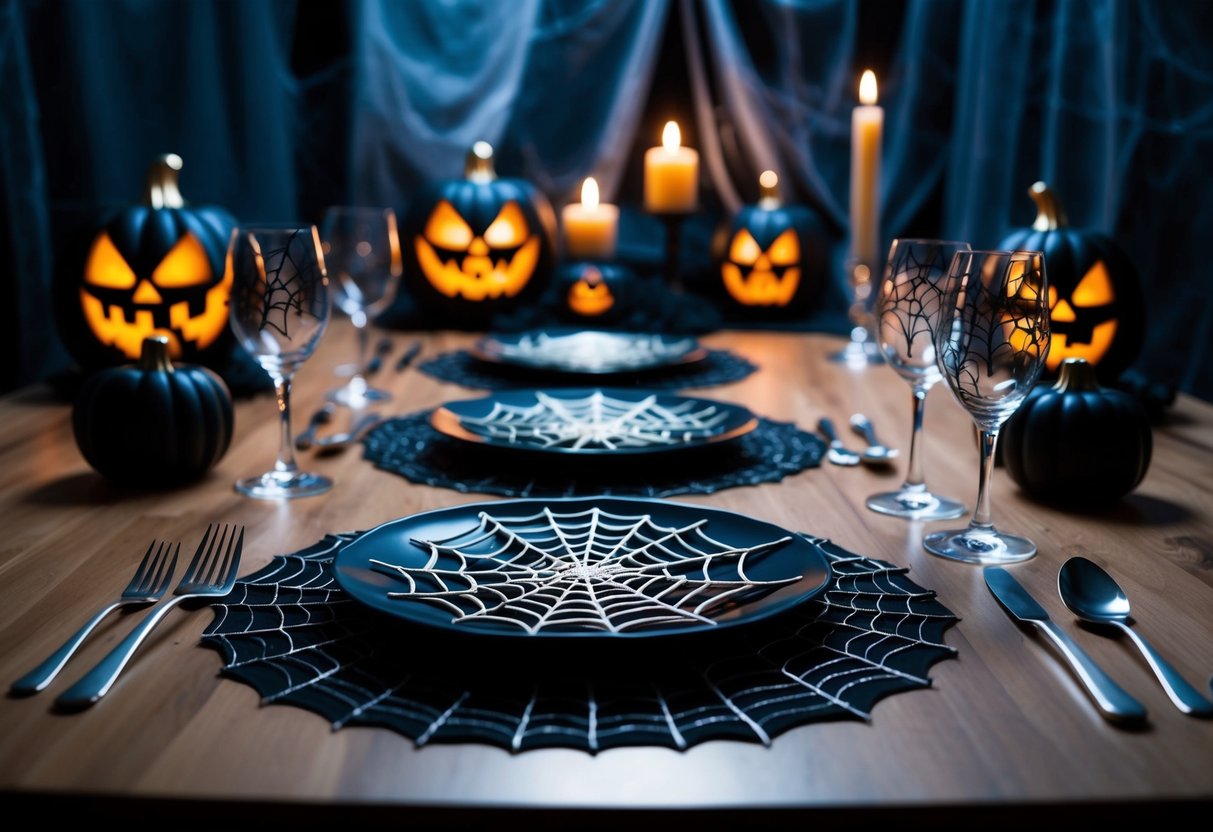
<point>162,313</point>
<point>478,277</point>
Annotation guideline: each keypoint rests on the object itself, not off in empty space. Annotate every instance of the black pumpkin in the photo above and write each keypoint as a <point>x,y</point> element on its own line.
<point>477,246</point>
<point>152,424</point>
<point>598,292</point>
<point>1096,307</point>
<point>770,257</point>
<point>1076,443</point>
<point>153,269</point>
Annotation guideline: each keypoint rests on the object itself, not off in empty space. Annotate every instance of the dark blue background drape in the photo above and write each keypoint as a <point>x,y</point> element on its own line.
<point>281,107</point>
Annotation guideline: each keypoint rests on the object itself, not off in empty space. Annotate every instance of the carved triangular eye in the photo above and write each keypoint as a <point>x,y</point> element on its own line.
<point>107,268</point>
<point>447,229</point>
<point>1095,288</point>
<point>186,264</point>
<point>785,251</point>
<point>745,249</point>
<point>510,228</point>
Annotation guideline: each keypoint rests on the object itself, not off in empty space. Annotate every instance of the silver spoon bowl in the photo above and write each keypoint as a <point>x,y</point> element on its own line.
<point>876,453</point>
<point>1093,595</point>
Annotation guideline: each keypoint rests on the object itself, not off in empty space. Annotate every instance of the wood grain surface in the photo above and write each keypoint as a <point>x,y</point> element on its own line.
<point>1004,729</point>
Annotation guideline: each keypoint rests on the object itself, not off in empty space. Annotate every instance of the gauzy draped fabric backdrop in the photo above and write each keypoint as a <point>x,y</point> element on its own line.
<point>280,108</point>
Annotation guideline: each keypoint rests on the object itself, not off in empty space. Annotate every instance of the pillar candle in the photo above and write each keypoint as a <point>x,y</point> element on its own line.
<point>590,228</point>
<point>671,175</point>
<point>867,125</point>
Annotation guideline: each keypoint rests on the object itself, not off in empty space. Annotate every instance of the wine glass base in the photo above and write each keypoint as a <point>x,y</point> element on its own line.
<point>858,353</point>
<point>983,546</point>
<point>916,505</point>
<point>357,399</point>
<point>276,485</point>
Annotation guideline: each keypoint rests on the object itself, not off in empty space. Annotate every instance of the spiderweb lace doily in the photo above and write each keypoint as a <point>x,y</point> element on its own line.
<point>291,633</point>
<point>411,447</point>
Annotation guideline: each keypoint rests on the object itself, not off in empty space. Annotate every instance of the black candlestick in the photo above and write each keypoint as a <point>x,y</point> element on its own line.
<point>673,249</point>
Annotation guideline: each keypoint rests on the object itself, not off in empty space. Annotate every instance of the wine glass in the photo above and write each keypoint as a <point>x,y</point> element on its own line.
<point>862,347</point>
<point>279,311</point>
<point>362,249</point>
<point>991,343</point>
<point>907,314</point>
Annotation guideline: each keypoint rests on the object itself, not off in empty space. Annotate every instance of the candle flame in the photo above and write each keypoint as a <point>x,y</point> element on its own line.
<point>671,136</point>
<point>589,193</point>
<point>867,87</point>
<point>768,179</point>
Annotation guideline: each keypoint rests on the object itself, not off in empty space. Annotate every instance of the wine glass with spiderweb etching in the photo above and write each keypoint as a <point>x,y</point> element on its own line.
<point>908,307</point>
<point>991,344</point>
<point>279,311</point>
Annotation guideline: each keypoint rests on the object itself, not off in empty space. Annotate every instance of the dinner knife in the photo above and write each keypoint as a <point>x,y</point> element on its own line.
<point>1114,703</point>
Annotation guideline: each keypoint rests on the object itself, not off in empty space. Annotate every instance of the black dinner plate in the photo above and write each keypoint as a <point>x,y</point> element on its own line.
<point>585,568</point>
<point>588,352</point>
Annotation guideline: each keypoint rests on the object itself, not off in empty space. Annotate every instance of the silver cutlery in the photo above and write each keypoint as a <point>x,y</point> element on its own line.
<point>877,453</point>
<point>837,453</point>
<point>320,418</point>
<point>210,574</point>
<point>409,355</point>
<point>1113,701</point>
<point>360,428</point>
<point>147,586</point>
<point>1094,596</point>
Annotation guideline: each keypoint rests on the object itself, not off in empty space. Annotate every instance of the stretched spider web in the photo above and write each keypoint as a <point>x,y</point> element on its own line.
<point>599,421</point>
<point>292,634</point>
<point>284,279</point>
<point>596,351</point>
<point>590,570</point>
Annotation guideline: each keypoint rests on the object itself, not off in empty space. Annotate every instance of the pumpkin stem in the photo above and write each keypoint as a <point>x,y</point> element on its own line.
<point>1076,376</point>
<point>479,166</point>
<point>162,190</point>
<point>1049,216</point>
<point>154,358</point>
<point>768,190</point>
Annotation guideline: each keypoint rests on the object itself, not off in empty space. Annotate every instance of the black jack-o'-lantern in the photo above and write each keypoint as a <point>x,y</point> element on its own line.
<point>594,291</point>
<point>479,245</point>
<point>154,269</point>
<point>1095,296</point>
<point>770,257</point>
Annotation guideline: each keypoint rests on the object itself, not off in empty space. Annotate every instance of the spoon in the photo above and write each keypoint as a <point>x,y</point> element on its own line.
<point>1094,596</point>
<point>837,453</point>
<point>876,453</point>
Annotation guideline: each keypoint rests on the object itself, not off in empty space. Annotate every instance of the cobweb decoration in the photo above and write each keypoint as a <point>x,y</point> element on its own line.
<point>587,570</point>
<point>411,447</point>
<point>595,352</point>
<point>292,634</point>
<point>598,421</point>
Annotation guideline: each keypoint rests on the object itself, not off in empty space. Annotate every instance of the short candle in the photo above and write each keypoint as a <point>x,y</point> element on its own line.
<point>671,175</point>
<point>590,228</point>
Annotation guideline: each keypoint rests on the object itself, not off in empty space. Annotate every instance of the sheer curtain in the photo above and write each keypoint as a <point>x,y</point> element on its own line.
<point>278,107</point>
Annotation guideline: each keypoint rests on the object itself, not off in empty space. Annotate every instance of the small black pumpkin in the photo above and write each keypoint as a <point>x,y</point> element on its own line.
<point>600,292</point>
<point>1076,443</point>
<point>771,257</point>
<point>1096,307</point>
<point>478,246</point>
<point>152,269</point>
<point>152,424</point>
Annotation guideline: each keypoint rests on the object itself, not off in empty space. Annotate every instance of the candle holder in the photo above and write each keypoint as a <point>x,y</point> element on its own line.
<point>671,271</point>
<point>862,349</point>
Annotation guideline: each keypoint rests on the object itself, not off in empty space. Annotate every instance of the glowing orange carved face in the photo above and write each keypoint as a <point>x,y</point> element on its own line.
<point>1084,324</point>
<point>590,296</point>
<point>754,276</point>
<point>460,260</point>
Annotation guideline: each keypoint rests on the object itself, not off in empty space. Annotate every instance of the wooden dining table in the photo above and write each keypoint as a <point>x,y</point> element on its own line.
<point>1004,735</point>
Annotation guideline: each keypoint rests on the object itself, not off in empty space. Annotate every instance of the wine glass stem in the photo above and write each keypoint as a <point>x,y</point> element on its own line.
<point>915,480</point>
<point>362,325</point>
<point>981,513</point>
<point>286,446</point>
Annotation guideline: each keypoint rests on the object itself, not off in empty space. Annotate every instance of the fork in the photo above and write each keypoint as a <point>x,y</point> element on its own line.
<point>211,574</point>
<point>147,586</point>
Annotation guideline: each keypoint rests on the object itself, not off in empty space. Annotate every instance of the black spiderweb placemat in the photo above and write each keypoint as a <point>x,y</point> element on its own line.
<point>295,636</point>
<point>410,447</point>
<point>461,367</point>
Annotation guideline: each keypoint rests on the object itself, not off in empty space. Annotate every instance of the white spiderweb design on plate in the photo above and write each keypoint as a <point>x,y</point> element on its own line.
<point>589,570</point>
<point>599,422</point>
<point>595,352</point>
<point>293,635</point>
